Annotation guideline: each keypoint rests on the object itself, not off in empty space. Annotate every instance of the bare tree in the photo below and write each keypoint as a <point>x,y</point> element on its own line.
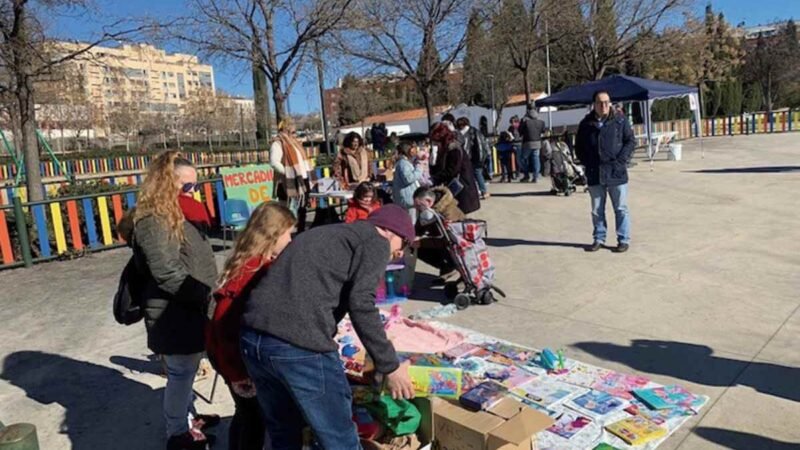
<point>26,55</point>
<point>419,38</point>
<point>246,30</point>
<point>612,28</point>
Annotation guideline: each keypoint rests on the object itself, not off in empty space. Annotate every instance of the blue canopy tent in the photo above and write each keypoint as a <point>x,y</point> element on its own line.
<point>623,88</point>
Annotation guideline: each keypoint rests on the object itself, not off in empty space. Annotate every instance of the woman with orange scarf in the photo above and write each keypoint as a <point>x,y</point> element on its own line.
<point>288,159</point>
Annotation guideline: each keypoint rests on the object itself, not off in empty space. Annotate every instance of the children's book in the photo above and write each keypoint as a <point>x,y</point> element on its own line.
<point>569,424</point>
<point>540,408</point>
<point>512,352</point>
<point>581,374</point>
<point>509,376</point>
<point>636,430</point>
<point>436,381</point>
<point>620,384</point>
<point>547,392</point>
<point>668,397</point>
<point>483,396</point>
<point>598,403</point>
<point>657,416</point>
<point>460,351</point>
<point>604,446</point>
<point>424,359</point>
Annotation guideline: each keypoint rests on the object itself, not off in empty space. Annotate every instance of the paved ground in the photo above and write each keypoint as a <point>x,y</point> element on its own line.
<point>707,297</point>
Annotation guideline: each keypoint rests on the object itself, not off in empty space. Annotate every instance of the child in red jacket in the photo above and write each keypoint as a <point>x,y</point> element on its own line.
<point>267,234</point>
<point>363,203</point>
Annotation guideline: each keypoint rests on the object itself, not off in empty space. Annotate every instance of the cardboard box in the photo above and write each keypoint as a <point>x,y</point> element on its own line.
<point>509,425</point>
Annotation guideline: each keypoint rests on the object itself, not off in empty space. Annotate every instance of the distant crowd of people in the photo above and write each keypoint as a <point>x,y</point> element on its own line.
<point>267,320</point>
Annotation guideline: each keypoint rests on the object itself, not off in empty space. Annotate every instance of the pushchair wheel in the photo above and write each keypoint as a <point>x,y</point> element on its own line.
<point>462,301</point>
<point>451,290</point>
<point>485,297</point>
<point>554,191</point>
<point>568,192</point>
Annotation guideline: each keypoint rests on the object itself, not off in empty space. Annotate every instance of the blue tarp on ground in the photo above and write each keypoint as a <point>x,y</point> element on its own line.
<point>622,88</point>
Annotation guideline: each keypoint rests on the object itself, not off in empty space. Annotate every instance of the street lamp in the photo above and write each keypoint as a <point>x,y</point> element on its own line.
<point>494,111</point>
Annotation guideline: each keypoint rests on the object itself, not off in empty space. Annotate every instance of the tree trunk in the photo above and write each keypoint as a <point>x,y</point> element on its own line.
<point>127,142</point>
<point>261,98</point>
<point>426,99</point>
<point>526,80</point>
<point>30,145</point>
<point>279,98</point>
<point>210,142</point>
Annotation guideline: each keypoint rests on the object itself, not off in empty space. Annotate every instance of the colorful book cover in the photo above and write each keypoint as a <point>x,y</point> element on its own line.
<point>510,376</point>
<point>581,374</point>
<point>657,416</point>
<point>424,359</point>
<point>436,381</point>
<point>547,392</point>
<point>668,397</point>
<point>636,430</point>
<point>620,384</point>
<point>538,407</point>
<point>512,352</point>
<point>604,446</point>
<point>483,396</point>
<point>569,424</point>
<point>460,351</point>
<point>598,403</point>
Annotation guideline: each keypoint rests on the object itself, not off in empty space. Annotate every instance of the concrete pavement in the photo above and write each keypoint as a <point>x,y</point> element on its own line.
<point>706,297</point>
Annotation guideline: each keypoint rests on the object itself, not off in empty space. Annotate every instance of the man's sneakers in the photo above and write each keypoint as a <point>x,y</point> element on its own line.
<point>594,247</point>
<point>622,248</point>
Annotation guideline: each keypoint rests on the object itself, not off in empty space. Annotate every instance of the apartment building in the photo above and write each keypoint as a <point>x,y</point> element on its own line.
<point>140,74</point>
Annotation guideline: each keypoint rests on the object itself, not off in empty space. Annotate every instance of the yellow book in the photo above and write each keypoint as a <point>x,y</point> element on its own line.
<point>636,430</point>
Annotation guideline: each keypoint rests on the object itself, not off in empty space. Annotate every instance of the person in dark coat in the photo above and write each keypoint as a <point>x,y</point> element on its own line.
<point>516,139</point>
<point>173,252</point>
<point>605,145</point>
<point>451,164</point>
<point>476,148</point>
<point>531,129</point>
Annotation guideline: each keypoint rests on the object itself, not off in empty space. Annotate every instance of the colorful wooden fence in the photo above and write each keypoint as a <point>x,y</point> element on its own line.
<point>75,225</point>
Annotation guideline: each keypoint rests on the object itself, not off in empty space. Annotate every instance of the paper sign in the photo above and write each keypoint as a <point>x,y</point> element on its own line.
<point>253,184</point>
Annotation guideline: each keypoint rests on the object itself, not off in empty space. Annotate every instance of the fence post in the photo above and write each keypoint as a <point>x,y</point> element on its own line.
<point>22,232</point>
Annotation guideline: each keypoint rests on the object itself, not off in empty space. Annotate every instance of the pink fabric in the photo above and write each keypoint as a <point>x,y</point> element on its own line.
<point>419,337</point>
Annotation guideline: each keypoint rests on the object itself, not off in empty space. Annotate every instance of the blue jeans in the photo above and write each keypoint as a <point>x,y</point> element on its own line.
<point>178,395</point>
<point>619,199</point>
<point>531,165</point>
<point>298,387</point>
<point>480,180</point>
<point>518,159</point>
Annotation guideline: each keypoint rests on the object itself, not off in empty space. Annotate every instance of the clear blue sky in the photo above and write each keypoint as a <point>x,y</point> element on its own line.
<point>236,80</point>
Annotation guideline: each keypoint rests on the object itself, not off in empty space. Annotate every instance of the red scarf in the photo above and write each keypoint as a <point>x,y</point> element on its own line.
<point>195,212</point>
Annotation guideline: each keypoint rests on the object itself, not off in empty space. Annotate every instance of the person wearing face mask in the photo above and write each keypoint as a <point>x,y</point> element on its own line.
<point>431,246</point>
<point>363,203</point>
<point>291,316</point>
<point>172,251</point>
<point>605,144</point>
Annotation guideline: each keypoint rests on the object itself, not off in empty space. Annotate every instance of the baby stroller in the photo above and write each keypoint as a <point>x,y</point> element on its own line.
<point>564,173</point>
<point>468,250</point>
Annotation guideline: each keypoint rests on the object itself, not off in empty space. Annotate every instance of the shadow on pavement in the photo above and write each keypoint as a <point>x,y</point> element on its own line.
<point>425,291</point>
<point>500,242</point>
<point>522,194</point>
<point>764,169</point>
<point>696,363</point>
<point>103,409</point>
<point>151,365</point>
<point>743,441</point>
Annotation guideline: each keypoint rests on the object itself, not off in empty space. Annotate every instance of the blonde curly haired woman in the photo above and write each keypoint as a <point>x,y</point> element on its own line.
<point>288,159</point>
<point>170,241</point>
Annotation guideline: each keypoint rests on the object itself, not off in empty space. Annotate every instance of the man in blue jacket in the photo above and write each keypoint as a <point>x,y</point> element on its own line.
<point>605,145</point>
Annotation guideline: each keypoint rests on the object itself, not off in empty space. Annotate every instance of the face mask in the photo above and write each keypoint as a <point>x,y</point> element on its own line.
<point>427,217</point>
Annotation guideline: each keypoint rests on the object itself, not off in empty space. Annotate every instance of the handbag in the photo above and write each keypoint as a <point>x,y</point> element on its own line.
<point>455,185</point>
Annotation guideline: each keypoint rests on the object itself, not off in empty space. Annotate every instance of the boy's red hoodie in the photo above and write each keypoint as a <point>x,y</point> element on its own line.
<point>356,212</point>
<point>222,333</point>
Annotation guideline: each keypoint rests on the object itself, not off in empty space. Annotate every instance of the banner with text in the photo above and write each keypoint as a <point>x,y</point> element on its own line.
<point>253,184</point>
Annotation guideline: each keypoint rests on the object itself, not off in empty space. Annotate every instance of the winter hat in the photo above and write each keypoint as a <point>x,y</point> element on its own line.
<point>394,219</point>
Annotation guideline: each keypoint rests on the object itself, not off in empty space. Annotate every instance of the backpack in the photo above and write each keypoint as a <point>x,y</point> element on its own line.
<point>128,301</point>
